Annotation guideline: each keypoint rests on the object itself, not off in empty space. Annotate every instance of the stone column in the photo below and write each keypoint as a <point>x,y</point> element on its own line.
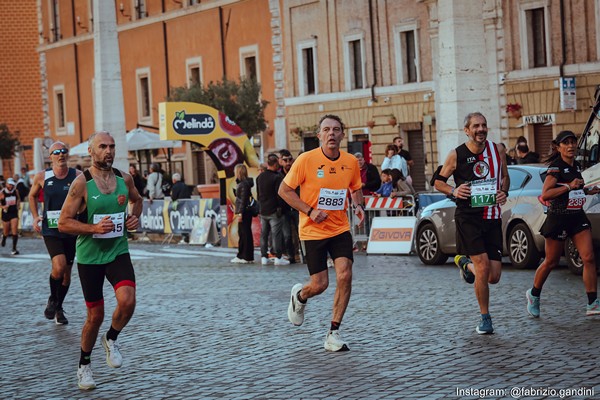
<point>463,83</point>
<point>109,114</point>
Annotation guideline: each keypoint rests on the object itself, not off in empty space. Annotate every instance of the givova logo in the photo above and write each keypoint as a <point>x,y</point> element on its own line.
<point>193,124</point>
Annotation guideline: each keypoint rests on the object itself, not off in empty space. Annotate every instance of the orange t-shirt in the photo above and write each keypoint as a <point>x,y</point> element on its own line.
<point>324,185</point>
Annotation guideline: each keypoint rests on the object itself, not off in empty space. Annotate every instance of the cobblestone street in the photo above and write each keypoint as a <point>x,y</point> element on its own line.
<point>204,328</point>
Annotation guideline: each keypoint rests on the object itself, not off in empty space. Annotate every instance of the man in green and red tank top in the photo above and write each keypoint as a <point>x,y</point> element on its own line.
<point>102,194</point>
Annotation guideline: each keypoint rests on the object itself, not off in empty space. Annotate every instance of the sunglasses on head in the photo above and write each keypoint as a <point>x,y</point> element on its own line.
<point>59,151</point>
<point>287,158</point>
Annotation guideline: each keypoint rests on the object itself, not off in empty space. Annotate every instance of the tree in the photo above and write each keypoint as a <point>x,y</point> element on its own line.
<point>239,101</point>
<point>8,142</point>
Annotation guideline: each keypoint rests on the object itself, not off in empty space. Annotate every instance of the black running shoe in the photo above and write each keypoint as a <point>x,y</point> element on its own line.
<point>465,273</point>
<point>60,318</point>
<point>15,252</point>
<point>50,310</point>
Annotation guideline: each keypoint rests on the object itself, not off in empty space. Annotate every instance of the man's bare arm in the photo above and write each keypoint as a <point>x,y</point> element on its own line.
<point>74,203</point>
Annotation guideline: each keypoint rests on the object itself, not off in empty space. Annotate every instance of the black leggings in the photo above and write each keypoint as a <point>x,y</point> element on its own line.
<point>246,241</point>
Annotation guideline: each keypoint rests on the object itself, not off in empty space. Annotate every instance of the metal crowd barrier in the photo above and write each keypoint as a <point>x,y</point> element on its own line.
<point>404,206</point>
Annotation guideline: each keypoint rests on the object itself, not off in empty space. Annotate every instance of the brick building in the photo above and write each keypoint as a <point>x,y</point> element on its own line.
<point>20,81</point>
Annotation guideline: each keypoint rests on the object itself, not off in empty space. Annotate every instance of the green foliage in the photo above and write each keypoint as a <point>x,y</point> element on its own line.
<point>240,101</point>
<point>8,141</point>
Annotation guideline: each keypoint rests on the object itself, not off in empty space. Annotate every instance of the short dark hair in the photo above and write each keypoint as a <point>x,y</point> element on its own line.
<point>332,116</point>
<point>272,160</point>
<point>285,153</point>
<point>523,148</point>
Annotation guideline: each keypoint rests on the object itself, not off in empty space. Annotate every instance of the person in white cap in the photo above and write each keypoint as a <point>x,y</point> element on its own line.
<point>9,201</point>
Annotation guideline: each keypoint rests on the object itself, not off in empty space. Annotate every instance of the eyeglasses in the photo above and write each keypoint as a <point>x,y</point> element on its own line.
<point>60,151</point>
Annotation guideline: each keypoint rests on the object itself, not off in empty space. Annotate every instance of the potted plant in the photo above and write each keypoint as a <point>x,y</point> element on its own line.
<point>514,110</point>
<point>371,124</point>
<point>392,120</point>
<point>295,131</point>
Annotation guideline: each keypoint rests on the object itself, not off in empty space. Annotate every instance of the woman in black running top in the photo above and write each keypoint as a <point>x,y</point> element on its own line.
<point>564,190</point>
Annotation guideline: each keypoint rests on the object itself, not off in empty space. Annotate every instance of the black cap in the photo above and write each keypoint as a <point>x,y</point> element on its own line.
<point>563,135</point>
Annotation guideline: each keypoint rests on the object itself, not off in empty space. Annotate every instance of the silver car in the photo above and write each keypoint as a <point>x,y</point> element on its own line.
<point>522,217</point>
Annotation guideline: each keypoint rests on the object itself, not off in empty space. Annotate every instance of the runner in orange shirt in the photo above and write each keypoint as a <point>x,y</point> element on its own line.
<point>325,175</point>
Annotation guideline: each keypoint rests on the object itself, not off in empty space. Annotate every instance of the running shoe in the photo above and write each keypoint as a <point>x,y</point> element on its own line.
<point>85,378</point>
<point>333,342</point>
<point>533,304</point>
<point>3,240</point>
<point>281,261</point>
<point>113,354</point>
<point>50,310</point>
<point>465,273</point>
<point>296,309</point>
<point>60,318</point>
<point>485,325</point>
<point>236,260</point>
<point>330,263</point>
<point>15,252</point>
<point>593,309</point>
<point>265,261</point>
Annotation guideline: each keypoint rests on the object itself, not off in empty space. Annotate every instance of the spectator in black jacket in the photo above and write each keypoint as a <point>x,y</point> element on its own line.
<point>371,181</point>
<point>180,191</point>
<point>243,191</point>
<point>291,217</point>
<point>524,156</point>
<point>138,180</point>
<point>271,214</point>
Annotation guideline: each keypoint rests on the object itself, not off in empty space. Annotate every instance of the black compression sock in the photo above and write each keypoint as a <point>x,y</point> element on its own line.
<point>54,285</point>
<point>62,293</point>
<point>536,292</point>
<point>335,326</point>
<point>85,358</point>
<point>15,240</point>
<point>112,334</point>
<point>592,296</point>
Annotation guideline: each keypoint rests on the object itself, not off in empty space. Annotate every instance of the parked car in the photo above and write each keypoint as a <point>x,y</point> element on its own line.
<point>592,210</point>
<point>522,216</point>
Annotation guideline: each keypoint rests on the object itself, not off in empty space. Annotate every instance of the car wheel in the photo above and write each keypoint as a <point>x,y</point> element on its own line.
<point>428,246</point>
<point>573,260</point>
<point>521,247</point>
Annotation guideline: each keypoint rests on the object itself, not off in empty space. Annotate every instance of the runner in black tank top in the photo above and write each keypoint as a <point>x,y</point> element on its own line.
<point>564,190</point>
<point>55,182</point>
<point>482,182</point>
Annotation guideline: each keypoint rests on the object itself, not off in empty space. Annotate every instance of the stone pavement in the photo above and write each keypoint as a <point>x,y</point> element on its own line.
<point>206,329</point>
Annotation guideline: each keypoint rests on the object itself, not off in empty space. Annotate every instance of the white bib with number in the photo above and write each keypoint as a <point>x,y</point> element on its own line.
<point>483,192</point>
<point>52,217</point>
<point>11,200</point>
<point>576,199</point>
<point>118,219</point>
<point>331,199</point>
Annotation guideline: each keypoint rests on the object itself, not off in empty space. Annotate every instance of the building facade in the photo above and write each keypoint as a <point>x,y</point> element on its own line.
<point>531,66</point>
<point>20,81</point>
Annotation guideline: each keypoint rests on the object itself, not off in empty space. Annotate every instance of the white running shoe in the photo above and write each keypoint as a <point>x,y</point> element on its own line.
<point>296,309</point>
<point>85,378</point>
<point>236,260</point>
<point>265,261</point>
<point>282,261</point>
<point>330,263</point>
<point>333,342</point>
<point>113,354</point>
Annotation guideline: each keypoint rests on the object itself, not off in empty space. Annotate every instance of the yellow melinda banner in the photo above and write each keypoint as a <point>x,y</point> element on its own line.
<point>223,141</point>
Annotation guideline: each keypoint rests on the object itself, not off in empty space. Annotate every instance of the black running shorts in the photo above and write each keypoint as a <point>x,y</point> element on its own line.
<point>316,251</point>
<point>7,216</point>
<point>118,272</point>
<point>475,235</point>
<point>559,227</point>
<point>57,245</point>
